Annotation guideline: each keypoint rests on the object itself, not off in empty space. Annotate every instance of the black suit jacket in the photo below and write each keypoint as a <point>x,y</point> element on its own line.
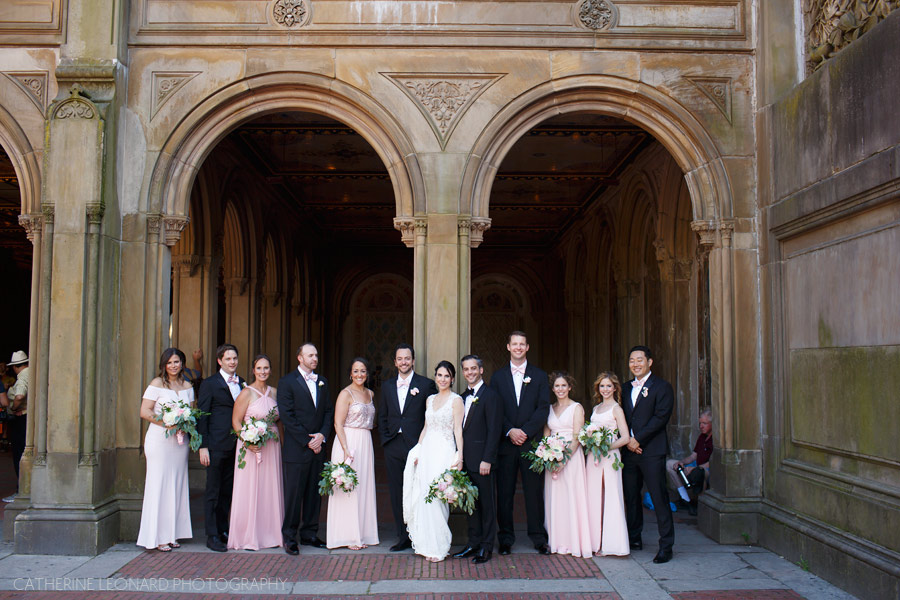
<point>534,404</point>
<point>481,430</point>
<point>648,420</point>
<point>302,417</point>
<point>412,420</point>
<point>215,398</point>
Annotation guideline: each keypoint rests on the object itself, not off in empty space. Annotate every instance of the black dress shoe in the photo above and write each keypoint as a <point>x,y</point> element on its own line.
<point>542,549</point>
<point>505,549</point>
<point>291,548</point>
<point>401,546</point>
<point>314,542</point>
<point>482,556</point>
<point>663,556</point>
<point>223,537</point>
<point>636,545</point>
<point>215,544</point>
<point>692,509</point>
<point>465,552</point>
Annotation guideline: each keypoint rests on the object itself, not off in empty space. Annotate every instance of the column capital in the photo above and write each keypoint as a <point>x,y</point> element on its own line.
<point>95,213</point>
<point>174,226</point>
<point>477,227</point>
<point>32,224</point>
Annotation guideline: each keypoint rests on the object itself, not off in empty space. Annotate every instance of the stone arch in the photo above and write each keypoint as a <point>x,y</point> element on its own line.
<point>500,304</point>
<point>204,127</point>
<point>683,136</point>
<point>25,162</point>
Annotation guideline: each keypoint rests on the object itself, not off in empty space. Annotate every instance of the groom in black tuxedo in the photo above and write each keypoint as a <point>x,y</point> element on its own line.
<point>218,444</point>
<point>401,417</point>
<point>482,420</point>
<point>306,412</point>
<point>648,404</point>
<point>524,392</point>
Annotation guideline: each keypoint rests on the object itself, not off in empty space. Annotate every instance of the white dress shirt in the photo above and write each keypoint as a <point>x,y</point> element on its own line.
<point>310,384</point>
<point>403,391</point>
<point>517,379</point>
<point>635,392</point>
<point>469,399</point>
<point>234,388</point>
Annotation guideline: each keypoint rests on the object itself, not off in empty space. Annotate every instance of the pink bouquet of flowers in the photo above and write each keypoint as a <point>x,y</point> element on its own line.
<point>337,475</point>
<point>550,453</point>
<point>455,488</point>
<point>256,432</point>
<point>179,414</point>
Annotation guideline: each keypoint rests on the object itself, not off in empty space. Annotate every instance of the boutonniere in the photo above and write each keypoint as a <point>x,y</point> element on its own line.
<point>321,383</point>
<point>413,391</point>
<point>474,400</point>
<point>644,392</point>
<point>527,380</point>
<point>243,384</point>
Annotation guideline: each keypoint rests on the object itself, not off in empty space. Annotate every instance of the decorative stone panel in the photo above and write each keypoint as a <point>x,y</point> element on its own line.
<point>34,84</point>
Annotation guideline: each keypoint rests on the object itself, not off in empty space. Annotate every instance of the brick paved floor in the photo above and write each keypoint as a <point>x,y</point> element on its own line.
<point>360,567</point>
<point>93,595</point>
<point>739,595</point>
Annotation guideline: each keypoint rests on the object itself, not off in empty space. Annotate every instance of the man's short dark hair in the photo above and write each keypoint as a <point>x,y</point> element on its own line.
<point>221,350</point>
<point>474,357</point>
<point>303,345</point>
<point>644,349</point>
<point>404,346</point>
<point>518,333</point>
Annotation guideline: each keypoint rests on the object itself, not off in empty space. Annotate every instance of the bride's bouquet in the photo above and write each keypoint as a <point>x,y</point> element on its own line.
<point>597,440</point>
<point>337,476</point>
<point>549,454</point>
<point>179,413</point>
<point>455,488</point>
<point>256,432</point>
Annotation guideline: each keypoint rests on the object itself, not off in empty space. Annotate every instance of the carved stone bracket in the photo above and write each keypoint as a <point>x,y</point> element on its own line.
<point>407,228</point>
<point>40,459</point>
<point>32,224</point>
<point>597,14</point>
<point>96,79</point>
<point>477,227</point>
<point>290,13</point>
<point>95,213</point>
<point>443,97</point>
<point>164,85</point>
<point>32,83</point>
<point>153,224</point>
<point>718,90</point>
<point>174,226</point>
<point>88,460</point>
<point>187,264</point>
<point>713,233</point>
<point>76,106</point>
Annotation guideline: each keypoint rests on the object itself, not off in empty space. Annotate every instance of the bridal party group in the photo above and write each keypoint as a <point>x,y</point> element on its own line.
<point>264,449</point>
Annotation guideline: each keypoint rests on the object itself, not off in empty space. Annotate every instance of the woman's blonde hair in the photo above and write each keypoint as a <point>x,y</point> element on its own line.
<point>617,387</point>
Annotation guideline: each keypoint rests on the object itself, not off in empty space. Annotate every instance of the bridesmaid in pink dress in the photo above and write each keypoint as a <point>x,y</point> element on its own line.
<point>257,503</point>
<point>351,515</point>
<point>565,502</point>
<point>606,519</point>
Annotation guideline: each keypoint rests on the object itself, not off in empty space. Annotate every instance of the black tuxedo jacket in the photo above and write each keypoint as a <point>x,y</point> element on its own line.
<point>534,404</point>
<point>412,419</point>
<point>301,417</point>
<point>215,398</point>
<point>648,420</point>
<point>481,430</point>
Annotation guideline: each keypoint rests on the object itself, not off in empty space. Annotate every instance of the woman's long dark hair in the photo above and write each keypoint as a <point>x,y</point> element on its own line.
<point>449,366</point>
<point>570,381</point>
<point>167,354</point>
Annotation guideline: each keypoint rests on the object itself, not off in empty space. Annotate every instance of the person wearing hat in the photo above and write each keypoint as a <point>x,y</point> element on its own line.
<point>18,397</point>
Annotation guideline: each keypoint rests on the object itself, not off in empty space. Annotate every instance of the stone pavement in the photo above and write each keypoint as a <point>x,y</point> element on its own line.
<point>701,570</point>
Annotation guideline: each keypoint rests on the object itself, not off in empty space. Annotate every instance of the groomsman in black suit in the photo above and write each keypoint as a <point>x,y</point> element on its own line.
<point>217,394</point>
<point>525,394</point>
<point>482,420</point>
<point>306,413</point>
<point>648,404</point>
<point>401,417</point>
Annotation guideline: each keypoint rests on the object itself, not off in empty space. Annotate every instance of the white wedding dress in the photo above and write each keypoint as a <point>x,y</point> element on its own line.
<point>427,523</point>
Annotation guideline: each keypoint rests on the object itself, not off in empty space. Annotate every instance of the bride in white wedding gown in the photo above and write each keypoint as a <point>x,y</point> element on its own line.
<point>439,448</point>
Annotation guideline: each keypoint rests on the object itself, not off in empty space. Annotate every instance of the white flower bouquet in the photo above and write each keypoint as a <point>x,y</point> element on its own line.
<point>337,476</point>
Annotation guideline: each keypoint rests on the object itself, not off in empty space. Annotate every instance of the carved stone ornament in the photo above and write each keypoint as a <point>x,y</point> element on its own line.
<point>833,24</point>
<point>31,224</point>
<point>95,213</point>
<point>34,84</point>
<point>598,14</point>
<point>164,85</point>
<point>407,228</point>
<point>443,97</point>
<point>477,227</point>
<point>76,106</point>
<point>174,227</point>
<point>717,89</point>
<point>290,12</point>
<point>153,224</point>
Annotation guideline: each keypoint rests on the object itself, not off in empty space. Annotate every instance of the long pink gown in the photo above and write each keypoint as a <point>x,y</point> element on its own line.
<point>565,502</point>
<point>257,503</point>
<point>609,534</point>
<point>351,515</point>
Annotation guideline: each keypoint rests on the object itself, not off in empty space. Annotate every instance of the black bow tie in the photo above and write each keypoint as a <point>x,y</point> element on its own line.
<point>470,392</point>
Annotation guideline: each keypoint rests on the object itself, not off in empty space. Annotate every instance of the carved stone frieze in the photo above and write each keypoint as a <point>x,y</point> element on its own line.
<point>290,13</point>
<point>597,14</point>
<point>718,90</point>
<point>164,85</point>
<point>443,97</point>
<point>174,226</point>
<point>31,224</point>
<point>32,83</point>
<point>833,24</point>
